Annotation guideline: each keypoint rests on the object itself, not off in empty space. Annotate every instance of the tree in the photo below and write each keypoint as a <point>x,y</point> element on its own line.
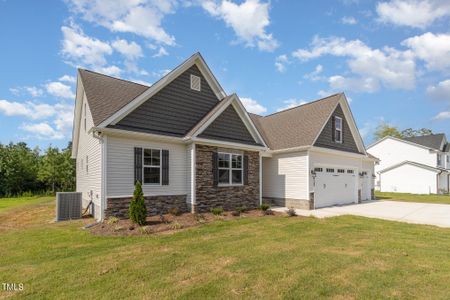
<point>409,132</point>
<point>385,129</point>
<point>138,211</point>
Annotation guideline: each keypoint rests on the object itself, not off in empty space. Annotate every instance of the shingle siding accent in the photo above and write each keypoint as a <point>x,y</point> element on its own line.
<point>325,138</point>
<point>228,127</point>
<point>228,197</point>
<point>174,110</point>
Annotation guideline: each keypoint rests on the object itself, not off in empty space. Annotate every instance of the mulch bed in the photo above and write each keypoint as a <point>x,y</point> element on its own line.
<point>168,223</point>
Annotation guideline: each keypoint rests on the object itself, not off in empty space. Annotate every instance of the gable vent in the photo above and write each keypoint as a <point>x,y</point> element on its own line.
<point>195,83</point>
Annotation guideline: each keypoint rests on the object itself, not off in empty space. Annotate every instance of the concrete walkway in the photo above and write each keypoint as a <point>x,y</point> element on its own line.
<point>408,212</point>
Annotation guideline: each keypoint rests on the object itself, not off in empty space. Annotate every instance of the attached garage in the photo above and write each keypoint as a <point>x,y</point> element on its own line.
<point>335,186</point>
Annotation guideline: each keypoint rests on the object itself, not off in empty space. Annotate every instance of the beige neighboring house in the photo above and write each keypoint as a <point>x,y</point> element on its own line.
<point>194,147</point>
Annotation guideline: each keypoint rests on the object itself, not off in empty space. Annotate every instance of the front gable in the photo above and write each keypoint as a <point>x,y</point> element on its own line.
<point>325,138</point>
<point>228,126</point>
<point>173,110</point>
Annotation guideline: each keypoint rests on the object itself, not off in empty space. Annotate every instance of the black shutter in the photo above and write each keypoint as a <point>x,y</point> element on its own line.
<point>215,168</point>
<point>333,129</point>
<point>165,167</point>
<point>137,165</point>
<point>246,169</point>
<point>342,131</point>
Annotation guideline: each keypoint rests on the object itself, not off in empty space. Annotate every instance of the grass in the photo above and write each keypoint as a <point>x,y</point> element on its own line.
<point>8,203</point>
<point>442,199</point>
<point>274,257</point>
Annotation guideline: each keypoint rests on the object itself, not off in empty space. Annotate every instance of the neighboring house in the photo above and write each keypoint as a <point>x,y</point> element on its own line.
<point>418,165</point>
<point>194,147</point>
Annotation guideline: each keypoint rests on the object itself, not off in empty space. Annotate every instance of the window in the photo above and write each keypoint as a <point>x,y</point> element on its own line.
<point>152,166</point>
<point>318,170</point>
<point>195,83</point>
<point>230,168</point>
<point>341,171</point>
<point>330,170</point>
<point>350,171</point>
<point>87,164</point>
<point>439,159</point>
<point>338,129</point>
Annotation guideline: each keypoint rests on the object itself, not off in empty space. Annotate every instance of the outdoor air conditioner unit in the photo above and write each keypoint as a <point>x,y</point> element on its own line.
<point>68,206</point>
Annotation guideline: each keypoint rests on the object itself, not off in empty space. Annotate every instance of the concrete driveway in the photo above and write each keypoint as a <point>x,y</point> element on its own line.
<point>408,212</point>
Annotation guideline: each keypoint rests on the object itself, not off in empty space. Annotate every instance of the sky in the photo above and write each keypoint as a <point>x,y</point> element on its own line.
<point>391,58</point>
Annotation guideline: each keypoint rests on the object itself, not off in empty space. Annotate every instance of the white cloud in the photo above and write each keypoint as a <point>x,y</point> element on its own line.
<point>27,109</point>
<point>42,131</point>
<point>59,89</point>
<point>412,13</point>
<point>111,70</point>
<point>290,103</point>
<point>434,49</point>
<point>441,91</point>
<point>161,73</point>
<point>67,78</point>
<point>141,17</point>
<point>349,20</point>
<point>248,20</point>
<point>161,52</point>
<point>388,66</point>
<point>29,90</point>
<point>442,116</point>
<point>315,75</point>
<point>131,51</point>
<point>340,83</point>
<point>280,63</point>
<point>253,106</point>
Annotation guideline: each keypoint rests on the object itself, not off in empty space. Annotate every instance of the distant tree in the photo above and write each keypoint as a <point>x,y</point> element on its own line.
<point>49,168</point>
<point>409,132</point>
<point>385,129</point>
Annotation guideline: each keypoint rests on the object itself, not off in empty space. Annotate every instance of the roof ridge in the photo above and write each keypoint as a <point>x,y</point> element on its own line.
<point>117,78</point>
<point>302,105</point>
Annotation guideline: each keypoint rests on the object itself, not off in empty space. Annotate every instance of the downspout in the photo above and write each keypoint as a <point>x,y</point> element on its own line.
<point>102,138</point>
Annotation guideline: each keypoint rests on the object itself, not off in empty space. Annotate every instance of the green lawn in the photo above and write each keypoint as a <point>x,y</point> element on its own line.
<point>267,257</point>
<point>443,199</point>
<point>7,203</point>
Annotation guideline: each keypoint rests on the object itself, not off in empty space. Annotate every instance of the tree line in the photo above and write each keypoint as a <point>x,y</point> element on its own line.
<point>29,171</point>
<point>385,129</point>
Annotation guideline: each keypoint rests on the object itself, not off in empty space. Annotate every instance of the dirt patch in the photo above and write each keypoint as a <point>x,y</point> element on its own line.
<point>168,223</point>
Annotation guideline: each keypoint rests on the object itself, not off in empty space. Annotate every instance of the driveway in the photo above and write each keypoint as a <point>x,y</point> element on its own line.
<point>408,212</point>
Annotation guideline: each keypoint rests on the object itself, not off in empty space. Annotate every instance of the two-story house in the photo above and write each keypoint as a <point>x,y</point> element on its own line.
<point>418,165</point>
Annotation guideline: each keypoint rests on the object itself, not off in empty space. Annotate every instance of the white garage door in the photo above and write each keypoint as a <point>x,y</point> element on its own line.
<point>335,186</point>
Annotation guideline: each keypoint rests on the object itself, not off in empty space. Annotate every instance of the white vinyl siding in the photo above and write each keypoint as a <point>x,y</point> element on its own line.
<point>120,167</point>
<point>88,167</point>
<point>409,179</point>
<point>285,176</point>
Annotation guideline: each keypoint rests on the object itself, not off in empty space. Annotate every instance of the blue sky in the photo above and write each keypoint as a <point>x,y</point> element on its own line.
<point>391,58</point>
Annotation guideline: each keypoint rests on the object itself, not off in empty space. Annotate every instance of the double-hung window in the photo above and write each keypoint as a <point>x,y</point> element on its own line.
<point>230,168</point>
<point>338,129</point>
<point>152,166</point>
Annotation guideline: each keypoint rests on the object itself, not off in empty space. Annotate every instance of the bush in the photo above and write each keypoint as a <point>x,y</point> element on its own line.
<point>264,206</point>
<point>145,229</point>
<point>112,220</point>
<point>218,211</point>
<point>291,212</point>
<point>242,209</point>
<point>268,212</point>
<point>175,225</point>
<point>174,211</point>
<point>236,213</point>
<point>138,211</point>
<point>199,218</point>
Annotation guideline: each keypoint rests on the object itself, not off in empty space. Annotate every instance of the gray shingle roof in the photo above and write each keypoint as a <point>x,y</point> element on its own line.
<point>433,141</point>
<point>106,95</point>
<point>298,126</point>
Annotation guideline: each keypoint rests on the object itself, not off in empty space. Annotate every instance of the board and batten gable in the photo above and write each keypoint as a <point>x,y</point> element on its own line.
<point>120,167</point>
<point>228,126</point>
<point>174,110</point>
<point>325,139</point>
<point>88,162</point>
<point>285,176</point>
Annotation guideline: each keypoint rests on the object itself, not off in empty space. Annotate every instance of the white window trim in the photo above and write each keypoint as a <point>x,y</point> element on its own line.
<point>230,168</point>
<point>338,129</point>
<point>199,83</point>
<point>151,166</point>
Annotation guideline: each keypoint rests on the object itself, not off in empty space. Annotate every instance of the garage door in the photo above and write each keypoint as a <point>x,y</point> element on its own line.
<point>335,186</point>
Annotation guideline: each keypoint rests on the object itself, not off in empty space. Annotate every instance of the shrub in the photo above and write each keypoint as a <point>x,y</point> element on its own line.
<point>174,211</point>
<point>112,220</point>
<point>199,218</point>
<point>242,209</point>
<point>264,207</point>
<point>268,212</point>
<point>236,213</point>
<point>176,225</point>
<point>145,229</point>
<point>138,211</point>
<point>291,212</point>
<point>218,211</point>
